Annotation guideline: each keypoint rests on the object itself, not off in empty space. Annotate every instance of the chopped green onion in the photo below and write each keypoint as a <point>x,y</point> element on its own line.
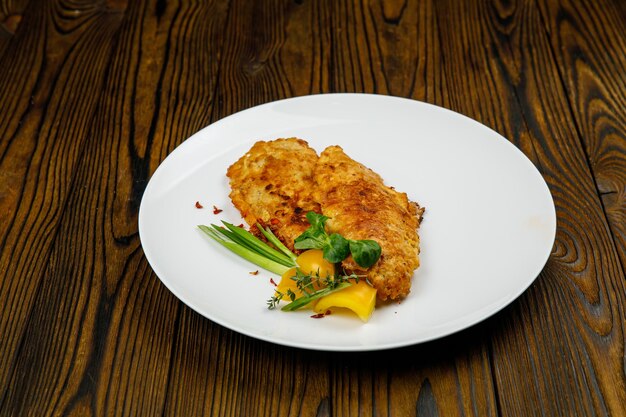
<point>237,234</point>
<point>233,242</point>
<point>274,241</point>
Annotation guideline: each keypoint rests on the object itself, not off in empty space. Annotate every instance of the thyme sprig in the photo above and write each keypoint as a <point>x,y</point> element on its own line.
<point>312,286</point>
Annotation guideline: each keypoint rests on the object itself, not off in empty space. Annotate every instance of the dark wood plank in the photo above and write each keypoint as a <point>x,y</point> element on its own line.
<point>221,373</point>
<point>560,348</point>
<point>91,102</point>
<point>43,127</point>
<point>394,48</point>
<point>591,39</point>
<point>99,338</point>
<point>450,377</point>
<point>387,47</point>
<point>272,50</point>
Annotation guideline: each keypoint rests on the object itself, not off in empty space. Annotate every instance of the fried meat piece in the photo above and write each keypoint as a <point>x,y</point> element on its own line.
<point>361,206</point>
<point>272,184</point>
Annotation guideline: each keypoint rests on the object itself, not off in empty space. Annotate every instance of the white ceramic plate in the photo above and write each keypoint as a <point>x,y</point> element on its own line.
<point>487,232</point>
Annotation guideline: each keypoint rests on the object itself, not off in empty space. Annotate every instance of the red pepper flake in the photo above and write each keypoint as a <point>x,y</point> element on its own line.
<point>216,210</point>
<point>241,225</point>
<point>273,282</point>
<point>274,221</point>
<point>198,205</point>
<point>254,272</point>
<point>320,315</point>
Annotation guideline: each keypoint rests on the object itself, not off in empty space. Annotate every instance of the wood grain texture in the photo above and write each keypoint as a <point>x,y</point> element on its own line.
<point>95,344</point>
<point>10,20</point>
<point>450,377</point>
<point>573,311</point>
<point>271,50</point>
<point>95,94</point>
<point>591,37</point>
<point>388,47</point>
<point>38,156</point>
<point>242,376</point>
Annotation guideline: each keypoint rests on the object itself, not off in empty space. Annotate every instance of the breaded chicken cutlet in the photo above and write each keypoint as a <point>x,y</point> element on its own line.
<point>272,184</point>
<point>361,206</point>
<point>276,183</point>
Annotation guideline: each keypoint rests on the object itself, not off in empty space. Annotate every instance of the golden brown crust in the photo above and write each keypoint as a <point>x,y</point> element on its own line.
<point>276,183</point>
<point>361,206</point>
<point>272,184</point>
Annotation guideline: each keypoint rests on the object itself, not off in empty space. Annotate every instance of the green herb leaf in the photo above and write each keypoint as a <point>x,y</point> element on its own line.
<point>365,252</point>
<point>315,236</point>
<point>317,221</point>
<point>338,248</point>
<point>273,301</point>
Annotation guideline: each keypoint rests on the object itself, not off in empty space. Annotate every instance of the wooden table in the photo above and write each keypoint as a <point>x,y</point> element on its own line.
<point>95,94</point>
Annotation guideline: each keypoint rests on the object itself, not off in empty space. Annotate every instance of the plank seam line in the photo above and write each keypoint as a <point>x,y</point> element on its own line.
<point>494,380</point>
<point>218,75</point>
<point>173,354</point>
<point>55,233</point>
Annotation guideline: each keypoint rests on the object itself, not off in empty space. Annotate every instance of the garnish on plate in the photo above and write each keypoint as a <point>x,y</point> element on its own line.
<point>336,248</point>
<point>288,191</point>
<point>307,279</point>
<point>249,247</point>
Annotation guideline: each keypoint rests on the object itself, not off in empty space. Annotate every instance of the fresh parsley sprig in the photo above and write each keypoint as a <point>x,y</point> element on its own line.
<point>335,247</point>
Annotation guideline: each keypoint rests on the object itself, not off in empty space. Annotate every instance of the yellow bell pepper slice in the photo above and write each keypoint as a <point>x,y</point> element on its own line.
<point>310,262</point>
<point>286,283</point>
<point>360,298</point>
